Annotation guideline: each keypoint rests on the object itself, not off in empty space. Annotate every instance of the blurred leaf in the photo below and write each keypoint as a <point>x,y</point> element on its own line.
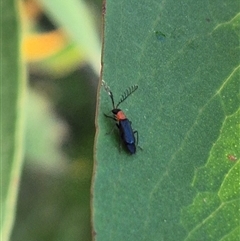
<point>13,87</point>
<point>54,202</point>
<point>76,18</point>
<point>185,59</point>
<point>40,46</point>
<point>63,62</point>
<point>52,53</point>
<point>47,49</point>
<point>44,133</point>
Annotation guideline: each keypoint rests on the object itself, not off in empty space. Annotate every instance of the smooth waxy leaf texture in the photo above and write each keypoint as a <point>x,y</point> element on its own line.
<point>184,184</point>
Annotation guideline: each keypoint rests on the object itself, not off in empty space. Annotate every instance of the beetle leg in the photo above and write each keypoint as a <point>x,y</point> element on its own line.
<point>108,116</point>
<point>136,132</point>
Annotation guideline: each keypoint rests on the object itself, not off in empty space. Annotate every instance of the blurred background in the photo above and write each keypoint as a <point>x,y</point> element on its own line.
<point>61,48</point>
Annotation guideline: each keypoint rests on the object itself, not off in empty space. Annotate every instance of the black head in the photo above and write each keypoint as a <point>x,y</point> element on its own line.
<point>115,111</point>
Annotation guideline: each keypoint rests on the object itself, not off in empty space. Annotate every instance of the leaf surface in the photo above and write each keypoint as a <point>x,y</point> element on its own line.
<point>184,183</point>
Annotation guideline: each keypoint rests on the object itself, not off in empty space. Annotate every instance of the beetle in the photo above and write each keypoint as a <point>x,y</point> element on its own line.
<point>122,122</point>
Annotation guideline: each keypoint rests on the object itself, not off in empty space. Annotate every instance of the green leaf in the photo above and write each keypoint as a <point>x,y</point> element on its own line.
<point>13,87</point>
<point>184,184</point>
<point>215,209</point>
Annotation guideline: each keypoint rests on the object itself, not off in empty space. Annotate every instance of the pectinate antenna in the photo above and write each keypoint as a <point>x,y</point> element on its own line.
<point>127,93</point>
